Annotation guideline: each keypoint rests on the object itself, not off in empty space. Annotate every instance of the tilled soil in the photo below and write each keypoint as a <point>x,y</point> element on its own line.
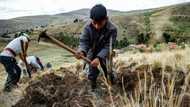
<point>67,90</point>
<point>53,90</point>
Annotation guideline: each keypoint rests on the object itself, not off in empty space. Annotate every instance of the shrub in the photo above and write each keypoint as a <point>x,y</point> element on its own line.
<point>122,43</point>
<point>168,38</point>
<point>143,38</point>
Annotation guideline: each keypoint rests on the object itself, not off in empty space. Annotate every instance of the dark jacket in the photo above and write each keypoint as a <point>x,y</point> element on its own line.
<point>96,44</point>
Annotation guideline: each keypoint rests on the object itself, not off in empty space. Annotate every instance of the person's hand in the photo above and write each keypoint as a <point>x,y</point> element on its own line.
<point>78,54</point>
<point>95,62</point>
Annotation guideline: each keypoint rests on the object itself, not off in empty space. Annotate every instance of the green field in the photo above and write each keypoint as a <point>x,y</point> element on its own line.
<point>51,53</point>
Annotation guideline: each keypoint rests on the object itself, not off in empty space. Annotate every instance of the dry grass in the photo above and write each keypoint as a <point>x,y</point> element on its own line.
<point>162,80</point>
<point>164,84</point>
<point>175,58</point>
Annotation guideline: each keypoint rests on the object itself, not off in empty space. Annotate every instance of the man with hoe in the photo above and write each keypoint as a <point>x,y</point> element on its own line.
<point>17,47</point>
<point>95,42</point>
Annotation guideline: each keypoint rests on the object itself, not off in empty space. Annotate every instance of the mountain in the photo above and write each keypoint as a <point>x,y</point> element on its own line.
<point>174,20</point>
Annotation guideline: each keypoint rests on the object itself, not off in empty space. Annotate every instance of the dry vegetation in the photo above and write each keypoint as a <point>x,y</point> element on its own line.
<point>164,77</point>
<point>159,79</point>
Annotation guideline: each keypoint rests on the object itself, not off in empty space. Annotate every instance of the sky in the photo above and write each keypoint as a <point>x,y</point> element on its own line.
<point>16,8</point>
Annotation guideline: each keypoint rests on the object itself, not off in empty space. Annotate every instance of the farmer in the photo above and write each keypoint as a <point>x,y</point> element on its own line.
<point>34,62</point>
<point>95,41</point>
<point>18,46</point>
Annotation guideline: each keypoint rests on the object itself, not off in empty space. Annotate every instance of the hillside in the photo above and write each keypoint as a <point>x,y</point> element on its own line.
<point>28,22</point>
<point>172,20</point>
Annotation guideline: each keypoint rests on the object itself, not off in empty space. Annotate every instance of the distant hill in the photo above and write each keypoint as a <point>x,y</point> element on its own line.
<point>174,20</point>
<point>28,22</point>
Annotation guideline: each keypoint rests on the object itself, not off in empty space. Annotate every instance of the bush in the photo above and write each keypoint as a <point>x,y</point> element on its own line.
<point>122,43</point>
<point>143,38</point>
<point>168,38</point>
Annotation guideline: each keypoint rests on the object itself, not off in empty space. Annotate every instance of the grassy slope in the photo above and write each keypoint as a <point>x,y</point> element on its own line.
<point>171,19</point>
<point>181,19</point>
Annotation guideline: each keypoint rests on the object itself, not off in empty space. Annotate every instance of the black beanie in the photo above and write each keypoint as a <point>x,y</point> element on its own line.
<point>98,12</point>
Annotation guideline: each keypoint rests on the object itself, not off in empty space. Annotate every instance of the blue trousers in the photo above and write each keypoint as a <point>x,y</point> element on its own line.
<point>12,69</point>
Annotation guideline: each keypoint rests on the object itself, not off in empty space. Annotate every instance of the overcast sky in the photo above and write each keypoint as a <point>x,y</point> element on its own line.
<point>16,8</point>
